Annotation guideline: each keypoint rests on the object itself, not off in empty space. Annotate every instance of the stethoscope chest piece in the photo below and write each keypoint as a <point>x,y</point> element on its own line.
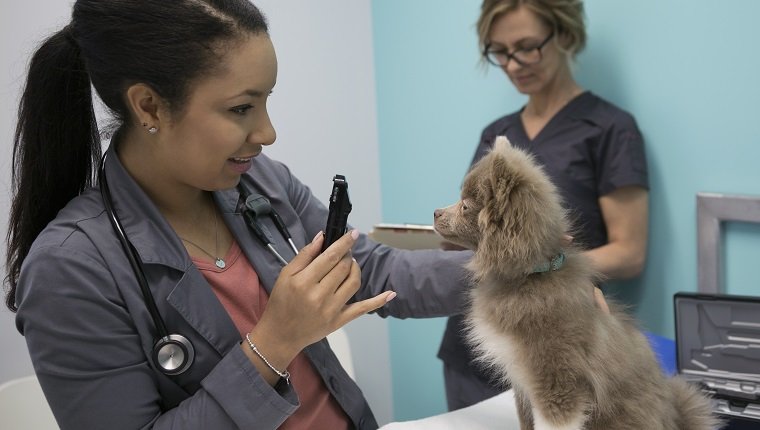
<point>173,354</point>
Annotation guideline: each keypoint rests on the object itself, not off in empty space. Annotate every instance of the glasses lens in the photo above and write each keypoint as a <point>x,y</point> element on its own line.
<point>497,58</point>
<point>525,57</point>
<point>528,56</point>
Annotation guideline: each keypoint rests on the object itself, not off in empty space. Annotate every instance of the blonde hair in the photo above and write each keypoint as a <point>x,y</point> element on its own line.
<point>564,17</point>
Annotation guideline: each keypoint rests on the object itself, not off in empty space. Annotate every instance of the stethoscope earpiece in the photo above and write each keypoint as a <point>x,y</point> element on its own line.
<point>173,354</point>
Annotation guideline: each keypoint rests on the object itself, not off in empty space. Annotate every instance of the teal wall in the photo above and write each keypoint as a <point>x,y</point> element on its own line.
<point>684,68</point>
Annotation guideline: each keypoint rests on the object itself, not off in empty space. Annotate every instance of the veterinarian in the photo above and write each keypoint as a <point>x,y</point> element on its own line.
<point>147,296</point>
<point>592,150</point>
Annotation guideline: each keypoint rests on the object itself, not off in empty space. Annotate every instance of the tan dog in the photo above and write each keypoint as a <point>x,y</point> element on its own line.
<point>533,317</point>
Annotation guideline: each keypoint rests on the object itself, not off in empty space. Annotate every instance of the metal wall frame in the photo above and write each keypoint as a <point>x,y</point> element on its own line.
<point>712,211</point>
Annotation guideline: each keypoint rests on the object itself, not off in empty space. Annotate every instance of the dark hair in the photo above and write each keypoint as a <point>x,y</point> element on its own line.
<point>112,45</point>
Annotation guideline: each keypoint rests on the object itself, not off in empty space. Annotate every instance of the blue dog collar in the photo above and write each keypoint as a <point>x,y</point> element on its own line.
<point>556,262</point>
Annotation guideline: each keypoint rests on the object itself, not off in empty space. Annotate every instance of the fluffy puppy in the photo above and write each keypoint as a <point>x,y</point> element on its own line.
<point>533,318</point>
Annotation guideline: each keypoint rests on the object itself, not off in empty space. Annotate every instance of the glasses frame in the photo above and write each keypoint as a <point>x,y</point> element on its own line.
<point>511,56</point>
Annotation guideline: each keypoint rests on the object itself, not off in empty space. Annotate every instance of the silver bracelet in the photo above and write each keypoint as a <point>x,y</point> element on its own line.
<point>284,375</point>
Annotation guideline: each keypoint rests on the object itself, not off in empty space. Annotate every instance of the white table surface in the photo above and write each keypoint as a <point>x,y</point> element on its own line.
<point>495,413</point>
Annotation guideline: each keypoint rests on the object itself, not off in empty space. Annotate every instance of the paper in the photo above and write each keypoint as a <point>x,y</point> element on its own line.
<point>406,236</point>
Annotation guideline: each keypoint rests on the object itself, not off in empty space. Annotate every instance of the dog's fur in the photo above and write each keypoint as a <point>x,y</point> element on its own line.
<point>571,365</point>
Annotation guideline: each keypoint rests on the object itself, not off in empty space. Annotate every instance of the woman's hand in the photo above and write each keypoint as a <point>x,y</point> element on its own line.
<point>600,302</point>
<point>309,299</point>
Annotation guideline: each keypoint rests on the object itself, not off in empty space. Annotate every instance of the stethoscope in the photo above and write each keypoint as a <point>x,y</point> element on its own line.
<point>173,353</point>
<point>255,206</point>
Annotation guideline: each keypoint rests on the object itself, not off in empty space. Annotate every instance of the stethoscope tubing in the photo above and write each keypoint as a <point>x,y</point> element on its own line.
<point>252,205</point>
<point>173,354</point>
<point>131,253</point>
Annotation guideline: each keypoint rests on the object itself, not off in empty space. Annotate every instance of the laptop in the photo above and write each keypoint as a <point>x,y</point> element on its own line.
<point>718,349</point>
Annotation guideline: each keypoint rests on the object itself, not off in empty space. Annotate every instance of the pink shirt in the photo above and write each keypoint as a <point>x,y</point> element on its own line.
<point>237,286</point>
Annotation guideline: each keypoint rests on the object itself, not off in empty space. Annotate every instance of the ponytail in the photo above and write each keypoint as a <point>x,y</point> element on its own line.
<point>57,143</point>
<point>56,146</point>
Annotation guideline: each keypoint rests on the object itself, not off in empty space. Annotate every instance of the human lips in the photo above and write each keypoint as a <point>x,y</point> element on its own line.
<point>241,160</point>
<point>240,164</point>
<point>245,158</point>
<point>523,79</point>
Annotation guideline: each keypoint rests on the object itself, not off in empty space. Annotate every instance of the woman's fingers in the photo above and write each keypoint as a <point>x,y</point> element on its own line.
<point>340,275</point>
<point>312,264</point>
<point>316,287</point>
<point>567,240</point>
<point>325,262</point>
<point>355,310</point>
<point>349,287</point>
<point>600,302</point>
<point>350,284</point>
<point>307,254</point>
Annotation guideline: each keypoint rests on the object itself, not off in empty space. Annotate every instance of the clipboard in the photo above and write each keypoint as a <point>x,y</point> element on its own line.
<point>406,236</point>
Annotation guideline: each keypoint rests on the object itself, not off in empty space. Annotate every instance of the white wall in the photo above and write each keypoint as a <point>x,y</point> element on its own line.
<point>323,108</point>
<point>22,26</point>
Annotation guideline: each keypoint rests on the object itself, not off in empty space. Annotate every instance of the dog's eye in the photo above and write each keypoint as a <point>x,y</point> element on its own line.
<point>464,205</point>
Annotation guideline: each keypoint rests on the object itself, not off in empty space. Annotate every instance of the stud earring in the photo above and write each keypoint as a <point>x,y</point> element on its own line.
<point>153,130</point>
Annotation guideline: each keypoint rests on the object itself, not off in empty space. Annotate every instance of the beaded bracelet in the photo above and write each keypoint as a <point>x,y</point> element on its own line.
<point>284,375</point>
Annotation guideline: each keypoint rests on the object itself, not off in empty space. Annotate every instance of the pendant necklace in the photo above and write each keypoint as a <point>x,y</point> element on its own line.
<point>218,261</point>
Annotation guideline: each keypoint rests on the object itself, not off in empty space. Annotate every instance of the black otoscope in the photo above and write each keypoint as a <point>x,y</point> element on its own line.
<point>340,207</point>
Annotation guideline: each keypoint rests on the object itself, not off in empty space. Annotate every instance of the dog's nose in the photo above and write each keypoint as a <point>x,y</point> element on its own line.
<point>437,213</point>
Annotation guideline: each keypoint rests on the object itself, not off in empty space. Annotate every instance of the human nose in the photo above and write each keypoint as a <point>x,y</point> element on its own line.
<point>512,65</point>
<point>264,133</point>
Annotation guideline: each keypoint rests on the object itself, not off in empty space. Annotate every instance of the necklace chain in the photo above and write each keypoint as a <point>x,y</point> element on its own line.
<point>218,261</point>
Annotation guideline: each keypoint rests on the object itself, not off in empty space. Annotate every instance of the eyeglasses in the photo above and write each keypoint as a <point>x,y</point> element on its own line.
<point>523,56</point>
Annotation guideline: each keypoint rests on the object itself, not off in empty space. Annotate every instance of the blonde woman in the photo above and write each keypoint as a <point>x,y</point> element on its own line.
<point>592,150</point>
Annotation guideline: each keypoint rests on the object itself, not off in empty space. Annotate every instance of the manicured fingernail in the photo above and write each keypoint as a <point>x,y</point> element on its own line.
<point>390,296</point>
<point>355,234</point>
<point>320,234</point>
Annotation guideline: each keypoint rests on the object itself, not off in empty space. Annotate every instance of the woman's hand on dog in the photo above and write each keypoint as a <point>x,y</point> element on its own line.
<point>600,302</point>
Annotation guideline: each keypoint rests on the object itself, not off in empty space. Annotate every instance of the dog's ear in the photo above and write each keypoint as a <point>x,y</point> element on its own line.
<point>499,220</point>
<point>521,220</point>
<point>501,143</point>
<point>512,222</point>
<point>499,184</point>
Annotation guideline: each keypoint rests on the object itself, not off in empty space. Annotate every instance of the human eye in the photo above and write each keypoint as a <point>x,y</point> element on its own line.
<point>528,55</point>
<point>242,109</point>
<point>497,50</point>
<point>497,55</point>
<point>529,49</point>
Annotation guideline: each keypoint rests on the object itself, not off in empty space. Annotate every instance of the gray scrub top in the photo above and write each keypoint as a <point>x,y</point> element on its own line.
<point>589,148</point>
<point>90,335</point>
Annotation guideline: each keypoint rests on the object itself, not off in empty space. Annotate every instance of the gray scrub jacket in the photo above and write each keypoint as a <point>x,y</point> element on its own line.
<point>90,334</point>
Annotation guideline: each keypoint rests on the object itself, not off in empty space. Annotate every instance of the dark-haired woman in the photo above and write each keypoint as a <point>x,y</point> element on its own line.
<point>205,327</point>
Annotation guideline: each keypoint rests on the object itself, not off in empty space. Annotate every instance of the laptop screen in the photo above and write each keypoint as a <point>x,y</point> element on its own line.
<point>718,335</point>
